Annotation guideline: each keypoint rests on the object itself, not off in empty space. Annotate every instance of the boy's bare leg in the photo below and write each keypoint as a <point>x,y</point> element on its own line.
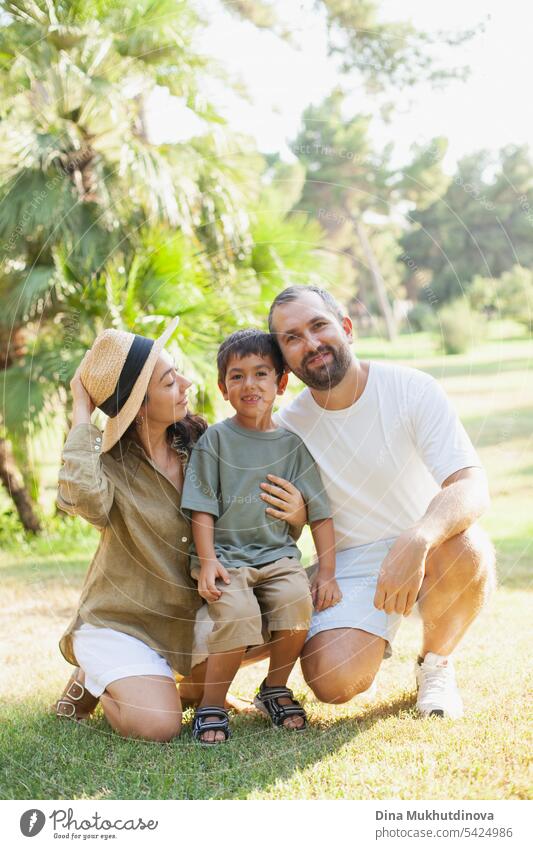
<point>285,649</point>
<point>191,687</point>
<point>221,670</point>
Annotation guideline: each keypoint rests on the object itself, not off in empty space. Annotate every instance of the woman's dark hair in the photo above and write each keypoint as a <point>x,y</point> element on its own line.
<point>182,435</point>
<point>187,431</point>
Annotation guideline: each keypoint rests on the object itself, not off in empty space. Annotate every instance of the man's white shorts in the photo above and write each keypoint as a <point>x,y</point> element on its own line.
<point>357,572</point>
<point>105,655</point>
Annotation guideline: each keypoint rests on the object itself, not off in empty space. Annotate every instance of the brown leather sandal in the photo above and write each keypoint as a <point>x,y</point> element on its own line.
<point>76,702</point>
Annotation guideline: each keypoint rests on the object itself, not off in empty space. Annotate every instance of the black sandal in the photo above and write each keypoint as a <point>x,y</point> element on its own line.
<point>267,702</point>
<point>200,725</point>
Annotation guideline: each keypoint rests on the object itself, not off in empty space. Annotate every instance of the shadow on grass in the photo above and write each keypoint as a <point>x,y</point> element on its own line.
<point>44,758</point>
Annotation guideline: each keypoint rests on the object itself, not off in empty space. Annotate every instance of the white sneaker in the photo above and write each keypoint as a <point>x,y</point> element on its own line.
<point>437,691</point>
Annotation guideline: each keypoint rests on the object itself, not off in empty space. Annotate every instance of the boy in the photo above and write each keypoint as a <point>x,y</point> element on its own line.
<point>246,562</point>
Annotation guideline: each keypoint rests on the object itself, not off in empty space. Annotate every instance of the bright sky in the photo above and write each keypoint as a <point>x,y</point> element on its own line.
<point>491,109</point>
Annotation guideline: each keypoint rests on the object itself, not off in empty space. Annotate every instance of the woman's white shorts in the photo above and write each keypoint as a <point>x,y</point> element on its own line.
<point>105,655</point>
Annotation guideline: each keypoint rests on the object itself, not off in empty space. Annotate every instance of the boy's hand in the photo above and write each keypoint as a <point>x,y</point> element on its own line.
<point>209,572</point>
<point>325,592</point>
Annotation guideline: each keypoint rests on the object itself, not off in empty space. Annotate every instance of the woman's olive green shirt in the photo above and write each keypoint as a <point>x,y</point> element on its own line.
<point>139,579</point>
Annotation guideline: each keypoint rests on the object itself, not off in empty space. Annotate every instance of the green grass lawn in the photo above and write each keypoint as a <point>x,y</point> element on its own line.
<point>358,750</point>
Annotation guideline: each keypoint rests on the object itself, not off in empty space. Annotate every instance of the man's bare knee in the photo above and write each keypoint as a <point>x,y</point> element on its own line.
<point>466,560</point>
<point>337,690</point>
<point>339,664</point>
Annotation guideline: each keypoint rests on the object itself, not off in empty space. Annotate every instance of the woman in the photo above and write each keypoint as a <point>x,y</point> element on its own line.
<point>135,620</point>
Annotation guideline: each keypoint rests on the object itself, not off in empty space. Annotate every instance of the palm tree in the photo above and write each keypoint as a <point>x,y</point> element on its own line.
<point>75,161</point>
<point>98,225</point>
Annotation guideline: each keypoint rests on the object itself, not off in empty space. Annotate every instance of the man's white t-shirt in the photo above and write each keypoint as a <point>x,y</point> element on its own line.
<point>383,459</point>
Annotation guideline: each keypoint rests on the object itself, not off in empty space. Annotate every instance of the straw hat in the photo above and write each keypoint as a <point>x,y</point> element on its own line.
<point>116,372</point>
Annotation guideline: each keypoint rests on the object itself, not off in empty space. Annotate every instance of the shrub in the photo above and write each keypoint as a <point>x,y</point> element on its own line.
<point>421,317</point>
<point>459,327</point>
<point>509,296</point>
<point>61,534</point>
<point>12,534</point>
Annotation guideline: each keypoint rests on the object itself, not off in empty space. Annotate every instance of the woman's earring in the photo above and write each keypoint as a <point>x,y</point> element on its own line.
<point>139,420</point>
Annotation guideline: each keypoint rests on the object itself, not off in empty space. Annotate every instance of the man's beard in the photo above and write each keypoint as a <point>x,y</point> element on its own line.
<point>329,374</point>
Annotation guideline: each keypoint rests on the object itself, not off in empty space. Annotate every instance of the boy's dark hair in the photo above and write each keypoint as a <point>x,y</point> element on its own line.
<point>292,293</point>
<point>242,343</point>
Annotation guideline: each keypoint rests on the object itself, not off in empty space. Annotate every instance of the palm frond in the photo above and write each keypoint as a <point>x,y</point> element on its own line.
<point>26,296</point>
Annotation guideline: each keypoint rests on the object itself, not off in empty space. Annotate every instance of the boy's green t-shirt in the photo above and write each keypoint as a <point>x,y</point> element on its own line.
<point>223,475</point>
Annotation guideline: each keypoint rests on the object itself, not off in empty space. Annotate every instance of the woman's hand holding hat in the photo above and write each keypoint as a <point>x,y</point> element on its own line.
<point>80,396</point>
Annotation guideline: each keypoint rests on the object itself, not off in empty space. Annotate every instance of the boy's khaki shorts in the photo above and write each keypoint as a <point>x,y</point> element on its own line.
<point>279,590</point>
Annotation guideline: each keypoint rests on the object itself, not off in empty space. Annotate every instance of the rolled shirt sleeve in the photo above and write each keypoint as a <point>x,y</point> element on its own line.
<point>84,489</point>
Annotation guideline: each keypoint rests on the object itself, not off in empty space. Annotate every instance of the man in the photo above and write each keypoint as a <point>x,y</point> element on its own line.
<point>406,487</point>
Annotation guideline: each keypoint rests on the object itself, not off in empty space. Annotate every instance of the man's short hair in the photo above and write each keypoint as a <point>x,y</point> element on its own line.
<point>242,343</point>
<point>292,293</point>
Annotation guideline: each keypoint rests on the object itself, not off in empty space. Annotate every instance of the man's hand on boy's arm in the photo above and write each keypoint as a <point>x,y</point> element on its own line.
<point>324,588</point>
<point>286,503</point>
<point>203,525</point>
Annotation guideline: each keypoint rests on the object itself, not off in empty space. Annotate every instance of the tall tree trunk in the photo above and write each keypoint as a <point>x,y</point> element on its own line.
<point>10,475</point>
<point>377,279</point>
<point>12,480</point>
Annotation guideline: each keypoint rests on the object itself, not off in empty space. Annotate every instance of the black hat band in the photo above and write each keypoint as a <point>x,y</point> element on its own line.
<point>137,356</point>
